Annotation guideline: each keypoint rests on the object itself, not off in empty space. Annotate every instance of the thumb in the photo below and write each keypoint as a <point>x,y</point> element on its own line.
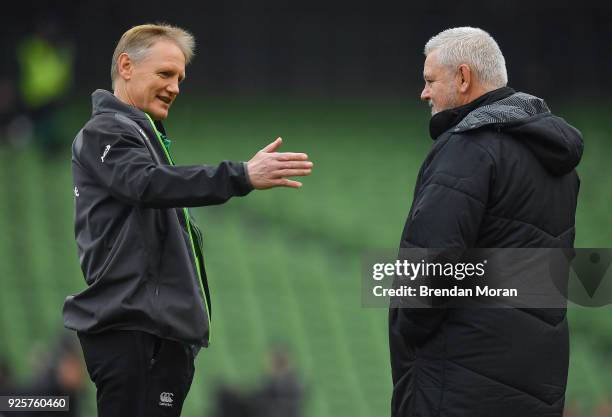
<point>273,146</point>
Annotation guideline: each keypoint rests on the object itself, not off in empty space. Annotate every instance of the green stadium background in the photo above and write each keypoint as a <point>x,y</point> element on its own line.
<point>284,265</point>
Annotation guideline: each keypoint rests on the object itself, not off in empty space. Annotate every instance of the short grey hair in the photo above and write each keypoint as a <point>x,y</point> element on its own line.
<point>137,41</point>
<point>474,47</point>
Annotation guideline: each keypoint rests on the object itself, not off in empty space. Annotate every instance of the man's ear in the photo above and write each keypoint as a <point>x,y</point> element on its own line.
<point>125,66</point>
<point>464,78</point>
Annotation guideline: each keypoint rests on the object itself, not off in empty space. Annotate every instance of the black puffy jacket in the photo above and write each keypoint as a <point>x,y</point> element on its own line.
<point>500,174</point>
<point>140,252</point>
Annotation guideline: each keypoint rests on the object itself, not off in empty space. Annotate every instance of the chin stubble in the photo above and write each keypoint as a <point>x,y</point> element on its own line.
<point>451,100</point>
<point>430,103</point>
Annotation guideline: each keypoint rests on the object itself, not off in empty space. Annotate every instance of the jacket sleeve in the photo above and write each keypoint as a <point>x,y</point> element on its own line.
<point>446,213</point>
<point>123,165</point>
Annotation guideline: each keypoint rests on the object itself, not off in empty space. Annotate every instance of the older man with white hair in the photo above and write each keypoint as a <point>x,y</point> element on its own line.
<point>500,174</point>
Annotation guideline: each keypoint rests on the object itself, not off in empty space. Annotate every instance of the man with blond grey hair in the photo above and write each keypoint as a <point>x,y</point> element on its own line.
<point>147,311</point>
<point>500,174</point>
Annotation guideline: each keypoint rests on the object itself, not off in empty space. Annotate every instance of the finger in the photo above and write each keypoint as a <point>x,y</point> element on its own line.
<point>272,147</point>
<point>291,156</point>
<point>287,183</point>
<point>295,165</point>
<point>292,172</point>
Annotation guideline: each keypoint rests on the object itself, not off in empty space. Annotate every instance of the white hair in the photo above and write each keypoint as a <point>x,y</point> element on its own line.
<point>474,47</point>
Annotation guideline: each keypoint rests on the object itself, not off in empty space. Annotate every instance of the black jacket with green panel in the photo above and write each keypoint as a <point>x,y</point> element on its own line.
<point>139,249</point>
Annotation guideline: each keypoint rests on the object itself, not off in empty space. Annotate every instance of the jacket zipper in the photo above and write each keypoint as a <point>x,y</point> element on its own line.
<point>189,230</point>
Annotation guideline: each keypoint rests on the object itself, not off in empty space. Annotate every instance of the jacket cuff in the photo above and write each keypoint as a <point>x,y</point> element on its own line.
<point>247,180</point>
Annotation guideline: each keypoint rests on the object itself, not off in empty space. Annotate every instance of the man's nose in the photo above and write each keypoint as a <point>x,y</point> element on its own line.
<point>173,88</point>
<point>425,94</point>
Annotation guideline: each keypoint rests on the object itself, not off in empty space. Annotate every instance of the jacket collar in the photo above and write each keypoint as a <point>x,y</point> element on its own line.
<point>104,101</point>
<point>444,120</point>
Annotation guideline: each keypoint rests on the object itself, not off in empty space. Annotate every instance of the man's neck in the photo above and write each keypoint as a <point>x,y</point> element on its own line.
<point>474,94</point>
<point>120,91</point>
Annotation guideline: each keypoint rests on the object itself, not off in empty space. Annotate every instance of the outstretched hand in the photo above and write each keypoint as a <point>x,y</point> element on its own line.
<point>268,168</point>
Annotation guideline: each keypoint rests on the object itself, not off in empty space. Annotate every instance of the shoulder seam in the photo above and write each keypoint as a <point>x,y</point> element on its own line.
<point>461,136</point>
<point>456,189</point>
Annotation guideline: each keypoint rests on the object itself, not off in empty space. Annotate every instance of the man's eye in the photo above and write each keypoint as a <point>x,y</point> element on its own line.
<point>164,74</point>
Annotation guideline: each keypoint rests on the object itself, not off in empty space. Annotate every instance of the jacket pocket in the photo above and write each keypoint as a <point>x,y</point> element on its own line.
<point>152,239</point>
<point>111,251</point>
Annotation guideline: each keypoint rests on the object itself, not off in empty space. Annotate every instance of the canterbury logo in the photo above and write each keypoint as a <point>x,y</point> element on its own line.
<point>165,399</point>
<point>105,152</point>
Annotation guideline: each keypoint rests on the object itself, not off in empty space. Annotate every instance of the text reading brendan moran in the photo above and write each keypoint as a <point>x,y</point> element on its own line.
<point>470,275</point>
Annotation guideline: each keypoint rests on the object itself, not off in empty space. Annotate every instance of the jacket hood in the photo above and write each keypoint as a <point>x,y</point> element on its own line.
<point>557,145</point>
